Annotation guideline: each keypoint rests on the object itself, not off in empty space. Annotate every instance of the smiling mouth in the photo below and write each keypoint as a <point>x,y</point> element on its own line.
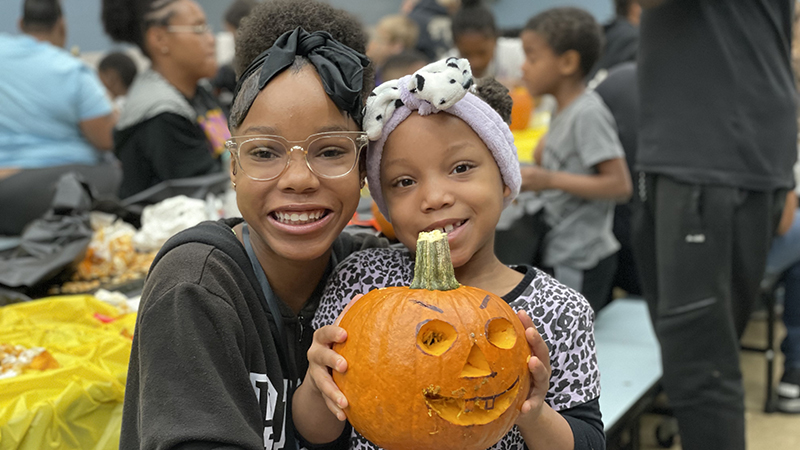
<point>470,411</point>
<point>449,227</point>
<point>299,217</point>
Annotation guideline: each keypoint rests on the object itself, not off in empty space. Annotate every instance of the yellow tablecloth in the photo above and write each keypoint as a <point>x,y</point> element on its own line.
<point>526,141</point>
<point>78,405</point>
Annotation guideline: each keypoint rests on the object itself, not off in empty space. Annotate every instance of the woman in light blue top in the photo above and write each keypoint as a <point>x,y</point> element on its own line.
<point>55,118</point>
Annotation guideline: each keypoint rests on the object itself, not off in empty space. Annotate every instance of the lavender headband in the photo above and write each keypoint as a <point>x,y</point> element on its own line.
<point>439,86</point>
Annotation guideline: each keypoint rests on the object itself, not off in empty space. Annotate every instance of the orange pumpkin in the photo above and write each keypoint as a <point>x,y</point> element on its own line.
<point>383,225</point>
<point>435,365</point>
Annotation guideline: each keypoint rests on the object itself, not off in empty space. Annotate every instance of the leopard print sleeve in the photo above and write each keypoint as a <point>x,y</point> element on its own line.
<point>566,322</point>
<point>360,273</point>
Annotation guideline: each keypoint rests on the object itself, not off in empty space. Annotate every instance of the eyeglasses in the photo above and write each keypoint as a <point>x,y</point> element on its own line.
<point>196,29</point>
<point>328,155</point>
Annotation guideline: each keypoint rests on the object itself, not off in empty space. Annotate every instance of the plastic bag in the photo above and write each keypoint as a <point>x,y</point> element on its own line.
<point>78,405</point>
<point>52,243</point>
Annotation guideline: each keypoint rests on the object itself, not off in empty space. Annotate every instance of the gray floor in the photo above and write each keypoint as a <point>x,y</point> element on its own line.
<point>764,431</point>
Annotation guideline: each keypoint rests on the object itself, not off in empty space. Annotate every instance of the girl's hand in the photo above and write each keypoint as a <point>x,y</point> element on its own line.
<point>539,365</point>
<point>535,178</point>
<point>321,360</point>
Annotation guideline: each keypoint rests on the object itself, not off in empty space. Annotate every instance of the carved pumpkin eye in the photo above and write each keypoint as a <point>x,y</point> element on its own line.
<point>500,332</point>
<point>435,337</point>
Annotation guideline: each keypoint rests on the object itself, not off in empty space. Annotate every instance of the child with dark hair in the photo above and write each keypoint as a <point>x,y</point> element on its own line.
<point>443,158</point>
<point>581,170</point>
<point>117,71</point>
<point>477,39</point>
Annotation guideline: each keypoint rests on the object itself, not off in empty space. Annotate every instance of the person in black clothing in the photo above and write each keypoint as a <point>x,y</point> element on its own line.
<point>717,142</point>
<point>620,92</point>
<point>621,35</point>
<point>433,19</point>
<point>224,322</point>
<point>171,126</point>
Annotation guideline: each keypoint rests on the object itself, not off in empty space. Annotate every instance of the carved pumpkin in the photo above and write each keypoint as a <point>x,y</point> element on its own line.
<point>435,365</point>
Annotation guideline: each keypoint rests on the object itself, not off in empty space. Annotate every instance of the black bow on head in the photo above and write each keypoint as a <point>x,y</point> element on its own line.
<point>340,67</point>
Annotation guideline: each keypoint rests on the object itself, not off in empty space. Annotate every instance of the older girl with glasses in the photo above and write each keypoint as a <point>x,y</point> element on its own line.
<point>225,319</point>
<point>171,125</point>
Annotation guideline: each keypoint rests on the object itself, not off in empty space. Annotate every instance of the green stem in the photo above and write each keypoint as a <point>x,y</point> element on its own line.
<point>434,269</point>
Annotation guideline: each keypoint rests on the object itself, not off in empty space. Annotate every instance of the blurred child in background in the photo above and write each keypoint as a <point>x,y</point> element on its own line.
<point>581,170</point>
<point>490,56</point>
<point>117,71</point>
<point>393,34</point>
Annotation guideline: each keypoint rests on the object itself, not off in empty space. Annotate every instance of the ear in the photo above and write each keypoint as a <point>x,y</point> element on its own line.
<point>569,63</point>
<point>156,39</point>
<point>506,191</point>
<point>233,166</point>
<point>362,169</point>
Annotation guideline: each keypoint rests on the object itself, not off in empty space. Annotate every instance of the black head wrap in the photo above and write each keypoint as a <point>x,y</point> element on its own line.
<point>340,67</point>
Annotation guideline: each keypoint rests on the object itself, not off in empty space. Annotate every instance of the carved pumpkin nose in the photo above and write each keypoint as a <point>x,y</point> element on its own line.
<point>476,366</point>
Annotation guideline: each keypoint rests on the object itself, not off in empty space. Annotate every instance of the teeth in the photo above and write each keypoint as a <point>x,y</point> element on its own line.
<point>299,218</point>
<point>448,228</point>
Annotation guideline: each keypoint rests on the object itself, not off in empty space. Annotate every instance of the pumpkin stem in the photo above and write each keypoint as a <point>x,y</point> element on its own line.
<point>434,269</point>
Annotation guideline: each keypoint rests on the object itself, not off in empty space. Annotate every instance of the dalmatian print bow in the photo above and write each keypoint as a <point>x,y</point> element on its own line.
<point>436,87</point>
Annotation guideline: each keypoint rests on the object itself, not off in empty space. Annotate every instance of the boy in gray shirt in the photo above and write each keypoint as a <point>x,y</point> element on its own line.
<point>581,169</point>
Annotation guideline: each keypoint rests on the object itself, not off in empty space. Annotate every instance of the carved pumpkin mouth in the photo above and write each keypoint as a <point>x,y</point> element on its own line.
<point>469,411</point>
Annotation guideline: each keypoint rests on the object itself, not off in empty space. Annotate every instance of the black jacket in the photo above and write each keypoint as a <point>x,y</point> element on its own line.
<point>205,370</point>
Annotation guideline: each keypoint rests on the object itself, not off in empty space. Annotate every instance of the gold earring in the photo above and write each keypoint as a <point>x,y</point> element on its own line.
<point>234,185</point>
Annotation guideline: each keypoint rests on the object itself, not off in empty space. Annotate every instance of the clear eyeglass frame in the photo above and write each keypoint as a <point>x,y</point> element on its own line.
<point>358,138</point>
<point>195,29</point>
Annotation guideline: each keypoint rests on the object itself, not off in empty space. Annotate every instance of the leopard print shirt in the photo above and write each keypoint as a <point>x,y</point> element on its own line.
<point>561,315</point>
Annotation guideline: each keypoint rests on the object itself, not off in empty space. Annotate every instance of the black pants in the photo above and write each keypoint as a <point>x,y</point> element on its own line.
<point>27,195</point>
<point>701,252</point>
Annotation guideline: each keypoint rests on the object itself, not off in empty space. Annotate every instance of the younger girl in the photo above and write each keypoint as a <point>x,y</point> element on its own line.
<point>456,171</point>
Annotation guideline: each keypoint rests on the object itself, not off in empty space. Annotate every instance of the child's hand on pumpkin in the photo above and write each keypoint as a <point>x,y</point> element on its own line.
<point>539,365</point>
<point>321,360</point>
